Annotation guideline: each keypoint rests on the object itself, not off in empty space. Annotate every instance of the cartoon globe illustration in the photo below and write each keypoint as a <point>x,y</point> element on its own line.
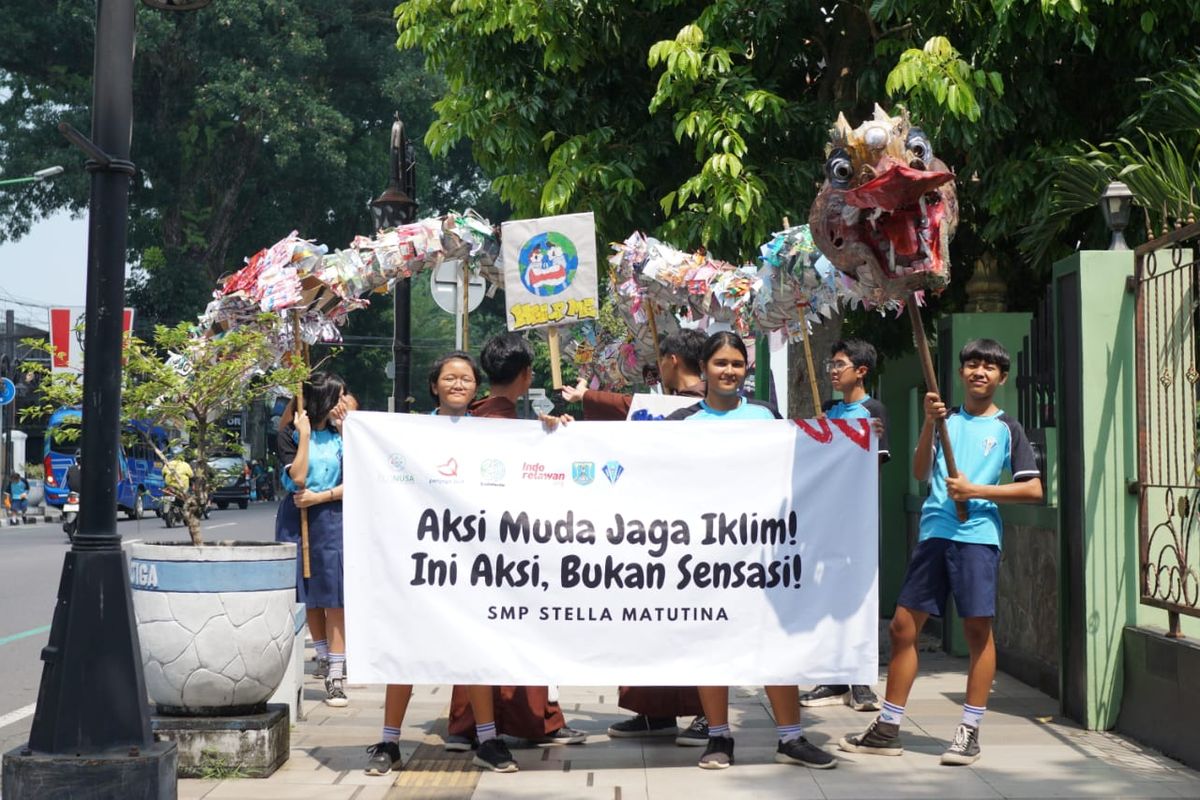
<point>548,262</point>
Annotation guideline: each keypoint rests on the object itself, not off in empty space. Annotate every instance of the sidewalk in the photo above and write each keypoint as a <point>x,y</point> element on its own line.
<point>1028,751</point>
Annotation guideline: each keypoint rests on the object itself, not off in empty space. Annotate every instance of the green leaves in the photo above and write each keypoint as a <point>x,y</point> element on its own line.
<point>936,76</point>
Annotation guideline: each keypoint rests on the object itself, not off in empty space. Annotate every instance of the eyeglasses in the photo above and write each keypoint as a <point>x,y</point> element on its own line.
<point>452,380</point>
<point>837,366</point>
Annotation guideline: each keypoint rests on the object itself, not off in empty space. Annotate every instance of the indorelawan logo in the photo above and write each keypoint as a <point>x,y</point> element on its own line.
<point>449,469</point>
<point>613,471</point>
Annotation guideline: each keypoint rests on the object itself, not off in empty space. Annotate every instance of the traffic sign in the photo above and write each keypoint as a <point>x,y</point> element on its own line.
<point>446,284</point>
<point>8,391</point>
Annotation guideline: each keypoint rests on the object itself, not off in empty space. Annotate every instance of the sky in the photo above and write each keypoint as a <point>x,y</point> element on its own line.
<point>46,267</point>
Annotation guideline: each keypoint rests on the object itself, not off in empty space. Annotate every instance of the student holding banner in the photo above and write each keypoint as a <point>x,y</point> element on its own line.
<point>480,713</point>
<point>724,359</point>
<point>312,476</point>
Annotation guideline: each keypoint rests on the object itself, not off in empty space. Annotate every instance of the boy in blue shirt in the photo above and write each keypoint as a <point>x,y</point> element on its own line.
<point>956,557</point>
<point>851,364</point>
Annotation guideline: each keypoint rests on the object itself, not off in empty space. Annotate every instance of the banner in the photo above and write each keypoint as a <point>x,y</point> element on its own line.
<point>550,271</point>
<point>66,337</point>
<point>659,553</point>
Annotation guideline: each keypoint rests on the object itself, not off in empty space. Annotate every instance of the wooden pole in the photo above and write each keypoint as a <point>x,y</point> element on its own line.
<point>654,335</point>
<point>931,384</point>
<point>301,352</point>
<point>555,359</point>
<point>812,370</point>
<point>466,306</point>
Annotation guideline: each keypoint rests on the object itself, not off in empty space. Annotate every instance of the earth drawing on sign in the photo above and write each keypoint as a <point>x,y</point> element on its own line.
<point>548,262</point>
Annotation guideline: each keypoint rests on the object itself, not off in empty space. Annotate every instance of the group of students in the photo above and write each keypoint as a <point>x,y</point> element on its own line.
<point>954,556</point>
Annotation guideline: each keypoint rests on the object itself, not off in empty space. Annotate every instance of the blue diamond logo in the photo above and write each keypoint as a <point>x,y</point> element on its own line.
<point>613,470</point>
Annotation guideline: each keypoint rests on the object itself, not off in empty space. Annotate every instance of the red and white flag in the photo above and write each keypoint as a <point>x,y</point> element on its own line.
<point>66,337</point>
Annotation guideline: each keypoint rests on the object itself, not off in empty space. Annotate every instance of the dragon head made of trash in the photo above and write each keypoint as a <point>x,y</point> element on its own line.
<point>887,209</point>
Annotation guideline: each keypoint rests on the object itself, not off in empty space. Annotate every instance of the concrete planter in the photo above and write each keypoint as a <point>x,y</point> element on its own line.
<point>215,622</point>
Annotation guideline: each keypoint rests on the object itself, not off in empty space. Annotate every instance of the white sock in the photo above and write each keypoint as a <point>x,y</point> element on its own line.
<point>719,730</point>
<point>391,734</point>
<point>322,647</point>
<point>337,666</point>
<point>973,715</point>
<point>789,732</point>
<point>891,713</point>
<point>485,731</point>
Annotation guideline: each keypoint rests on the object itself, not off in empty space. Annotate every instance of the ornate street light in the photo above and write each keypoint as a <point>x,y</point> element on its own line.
<point>40,175</point>
<point>396,206</point>
<point>1116,203</point>
<point>91,731</point>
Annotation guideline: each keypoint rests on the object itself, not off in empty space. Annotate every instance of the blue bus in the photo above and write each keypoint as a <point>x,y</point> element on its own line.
<point>140,479</point>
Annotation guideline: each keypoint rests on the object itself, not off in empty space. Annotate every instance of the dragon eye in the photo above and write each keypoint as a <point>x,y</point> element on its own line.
<point>838,169</point>
<point>918,144</point>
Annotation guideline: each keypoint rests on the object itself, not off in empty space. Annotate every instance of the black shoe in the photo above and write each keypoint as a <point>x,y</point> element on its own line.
<point>641,725</point>
<point>335,693</point>
<point>965,747</point>
<point>879,739</point>
<point>455,743</point>
<point>695,735</point>
<point>321,667</point>
<point>861,698</point>
<point>385,758</point>
<point>803,752</point>
<point>494,755</point>
<point>564,735</point>
<point>718,754</point>
<point>824,696</point>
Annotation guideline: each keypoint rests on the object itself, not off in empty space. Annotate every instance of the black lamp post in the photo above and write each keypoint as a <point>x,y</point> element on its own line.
<point>91,731</point>
<point>396,206</point>
<point>1116,203</point>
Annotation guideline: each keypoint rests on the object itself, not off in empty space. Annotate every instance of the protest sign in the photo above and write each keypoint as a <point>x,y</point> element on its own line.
<point>669,553</point>
<point>550,271</point>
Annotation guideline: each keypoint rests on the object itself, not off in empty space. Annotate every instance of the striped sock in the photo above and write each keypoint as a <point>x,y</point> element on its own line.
<point>322,647</point>
<point>391,734</point>
<point>973,715</point>
<point>789,732</point>
<point>485,731</point>
<point>891,713</point>
<point>337,666</point>
<point>719,730</point>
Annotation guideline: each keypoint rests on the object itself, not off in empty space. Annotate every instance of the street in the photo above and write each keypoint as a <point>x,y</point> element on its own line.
<point>31,560</point>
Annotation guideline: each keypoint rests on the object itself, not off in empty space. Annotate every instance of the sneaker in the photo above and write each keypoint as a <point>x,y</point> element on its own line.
<point>564,735</point>
<point>824,696</point>
<point>694,735</point>
<point>494,755</point>
<point>335,694</point>
<point>879,739</point>
<point>861,698</point>
<point>384,758</point>
<point>718,754</point>
<point>321,670</point>
<point>803,752</point>
<point>641,725</point>
<point>457,743</point>
<point>965,747</point>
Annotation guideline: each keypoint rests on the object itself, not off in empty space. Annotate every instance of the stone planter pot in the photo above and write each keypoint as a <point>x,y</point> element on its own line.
<point>215,623</point>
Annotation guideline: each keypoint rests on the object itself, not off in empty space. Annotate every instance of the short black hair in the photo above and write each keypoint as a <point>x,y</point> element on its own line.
<point>322,391</point>
<point>860,353</point>
<point>456,355</point>
<point>723,339</point>
<point>505,357</point>
<point>988,351</point>
<point>687,343</point>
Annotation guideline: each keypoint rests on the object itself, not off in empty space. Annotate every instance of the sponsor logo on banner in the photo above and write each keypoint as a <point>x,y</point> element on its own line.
<point>491,472</point>
<point>613,471</point>
<point>448,470</point>
<point>538,472</point>
<point>399,473</point>
<point>583,472</point>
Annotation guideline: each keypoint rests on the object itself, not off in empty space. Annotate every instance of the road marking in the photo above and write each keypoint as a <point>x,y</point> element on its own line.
<point>18,715</point>
<point>23,634</point>
<point>222,525</point>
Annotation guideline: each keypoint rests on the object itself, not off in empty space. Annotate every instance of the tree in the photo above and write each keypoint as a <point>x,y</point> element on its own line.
<point>251,118</point>
<point>199,381</point>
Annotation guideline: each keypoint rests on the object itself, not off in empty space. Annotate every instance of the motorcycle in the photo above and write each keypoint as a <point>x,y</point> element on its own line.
<point>172,509</point>
<point>264,486</point>
<point>70,515</point>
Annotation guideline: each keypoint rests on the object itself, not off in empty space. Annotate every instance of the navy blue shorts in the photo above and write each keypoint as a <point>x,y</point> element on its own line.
<point>941,566</point>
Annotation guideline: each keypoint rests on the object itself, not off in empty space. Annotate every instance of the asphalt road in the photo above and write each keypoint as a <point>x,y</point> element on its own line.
<point>31,560</point>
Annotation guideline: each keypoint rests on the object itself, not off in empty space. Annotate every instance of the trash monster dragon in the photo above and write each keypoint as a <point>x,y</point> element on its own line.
<point>887,210</point>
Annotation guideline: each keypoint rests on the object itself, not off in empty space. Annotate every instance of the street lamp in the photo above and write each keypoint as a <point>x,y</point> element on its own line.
<point>91,731</point>
<point>1116,203</point>
<point>396,206</point>
<point>40,175</point>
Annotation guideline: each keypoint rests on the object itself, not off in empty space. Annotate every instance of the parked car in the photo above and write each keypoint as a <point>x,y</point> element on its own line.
<point>230,481</point>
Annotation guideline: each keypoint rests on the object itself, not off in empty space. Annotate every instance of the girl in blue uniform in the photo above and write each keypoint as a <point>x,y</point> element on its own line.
<point>724,359</point>
<point>313,480</point>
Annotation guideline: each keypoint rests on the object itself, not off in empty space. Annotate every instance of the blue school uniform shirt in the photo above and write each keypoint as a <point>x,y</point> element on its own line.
<point>866,408</point>
<point>746,409</point>
<point>324,461</point>
<point>984,448</point>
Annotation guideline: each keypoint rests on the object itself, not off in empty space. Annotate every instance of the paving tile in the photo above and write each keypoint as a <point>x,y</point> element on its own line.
<point>195,789</point>
<point>271,790</point>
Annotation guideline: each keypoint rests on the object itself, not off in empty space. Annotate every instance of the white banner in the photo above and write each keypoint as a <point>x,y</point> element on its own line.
<point>550,271</point>
<point>667,553</point>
